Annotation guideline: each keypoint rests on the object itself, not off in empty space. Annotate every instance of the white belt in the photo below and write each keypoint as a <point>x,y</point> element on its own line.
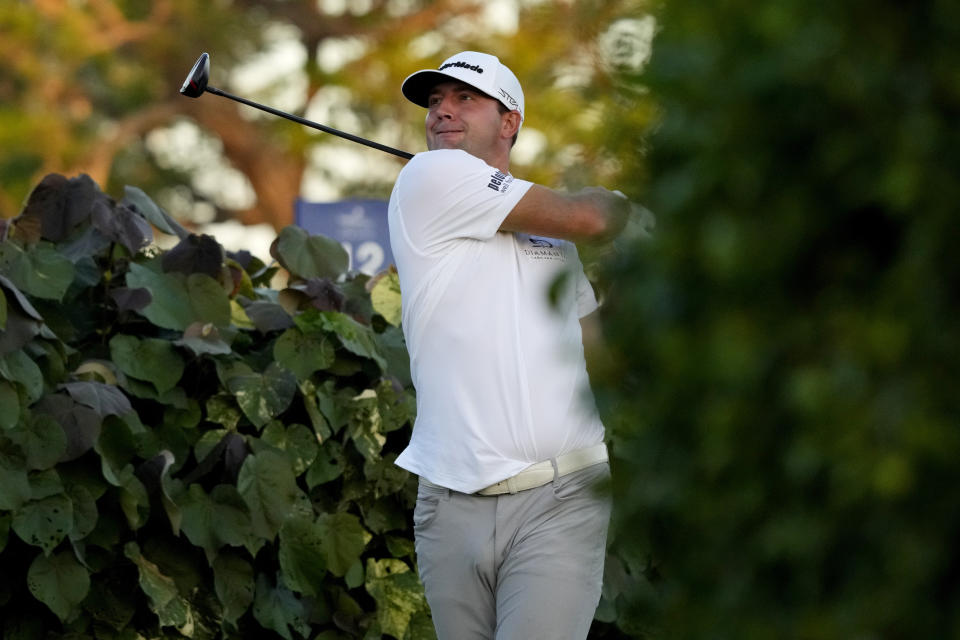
<point>541,473</point>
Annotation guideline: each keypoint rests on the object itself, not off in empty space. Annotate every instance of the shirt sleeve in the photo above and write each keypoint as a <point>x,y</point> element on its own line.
<point>449,194</point>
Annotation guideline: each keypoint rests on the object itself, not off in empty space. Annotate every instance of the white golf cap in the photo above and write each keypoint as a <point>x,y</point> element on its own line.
<point>481,71</point>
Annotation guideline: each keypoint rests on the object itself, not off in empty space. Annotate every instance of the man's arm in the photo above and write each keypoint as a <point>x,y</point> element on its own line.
<point>593,214</point>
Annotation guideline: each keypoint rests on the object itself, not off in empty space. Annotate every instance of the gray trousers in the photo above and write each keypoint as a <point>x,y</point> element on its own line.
<point>523,566</point>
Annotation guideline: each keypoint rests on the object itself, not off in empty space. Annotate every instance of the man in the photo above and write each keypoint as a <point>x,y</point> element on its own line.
<point>510,534</point>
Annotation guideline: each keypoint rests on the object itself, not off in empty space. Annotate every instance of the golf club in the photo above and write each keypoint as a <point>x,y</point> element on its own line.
<point>196,84</point>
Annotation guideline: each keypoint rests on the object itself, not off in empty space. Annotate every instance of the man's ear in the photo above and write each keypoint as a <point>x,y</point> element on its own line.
<point>510,124</point>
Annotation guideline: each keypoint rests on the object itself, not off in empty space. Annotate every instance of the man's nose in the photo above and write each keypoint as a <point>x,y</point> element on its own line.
<point>444,108</point>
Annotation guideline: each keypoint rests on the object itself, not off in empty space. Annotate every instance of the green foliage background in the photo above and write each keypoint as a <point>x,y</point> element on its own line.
<point>785,353</point>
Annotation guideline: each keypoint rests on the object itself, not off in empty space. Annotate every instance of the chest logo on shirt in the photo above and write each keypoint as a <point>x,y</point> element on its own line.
<point>542,249</point>
<point>500,182</point>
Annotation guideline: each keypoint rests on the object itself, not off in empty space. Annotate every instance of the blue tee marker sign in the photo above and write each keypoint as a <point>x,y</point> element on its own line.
<point>359,225</point>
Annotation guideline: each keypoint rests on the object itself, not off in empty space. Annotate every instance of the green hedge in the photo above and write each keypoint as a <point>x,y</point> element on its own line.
<point>186,452</point>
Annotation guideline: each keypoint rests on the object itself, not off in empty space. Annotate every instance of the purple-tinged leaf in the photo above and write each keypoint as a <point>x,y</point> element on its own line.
<point>128,299</point>
<point>195,254</point>
<point>86,244</point>
<point>19,331</point>
<point>325,295</point>
<point>122,225</point>
<point>105,399</point>
<point>268,316</point>
<point>80,424</point>
<point>278,609</point>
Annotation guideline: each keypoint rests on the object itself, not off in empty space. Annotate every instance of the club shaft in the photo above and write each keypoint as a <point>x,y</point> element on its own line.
<point>311,123</point>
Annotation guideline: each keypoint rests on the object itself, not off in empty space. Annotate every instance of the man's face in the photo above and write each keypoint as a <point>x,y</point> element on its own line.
<point>460,117</point>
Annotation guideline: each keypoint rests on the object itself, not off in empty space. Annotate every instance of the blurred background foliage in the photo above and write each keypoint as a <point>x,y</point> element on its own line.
<point>784,357</point>
<point>92,86</point>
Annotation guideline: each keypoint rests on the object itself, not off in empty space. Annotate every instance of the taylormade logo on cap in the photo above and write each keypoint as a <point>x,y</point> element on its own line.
<point>458,63</point>
<point>481,71</point>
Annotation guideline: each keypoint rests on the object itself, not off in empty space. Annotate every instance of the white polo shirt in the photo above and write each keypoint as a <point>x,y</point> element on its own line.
<point>499,372</point>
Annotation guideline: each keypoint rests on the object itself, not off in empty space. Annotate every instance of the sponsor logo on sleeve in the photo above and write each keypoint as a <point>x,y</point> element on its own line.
<point>500,182</point>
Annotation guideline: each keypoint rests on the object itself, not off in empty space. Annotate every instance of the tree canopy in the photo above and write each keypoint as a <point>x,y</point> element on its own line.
<point>92,87</point>
<point>786,427</point>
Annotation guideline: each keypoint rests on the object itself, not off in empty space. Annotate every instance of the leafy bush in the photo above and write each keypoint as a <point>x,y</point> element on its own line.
<point>186,452</point>
<point>785,418</point>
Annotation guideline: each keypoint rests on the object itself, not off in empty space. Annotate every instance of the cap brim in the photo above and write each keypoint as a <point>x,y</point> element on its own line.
<point>417,87</point>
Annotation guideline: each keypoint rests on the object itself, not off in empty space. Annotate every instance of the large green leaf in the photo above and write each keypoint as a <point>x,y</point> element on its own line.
<point>298,441</point>
<point>149,359</point>
<point>263,397</point>
<point>398,594</point>
<point>365,426</point>
<point>397,407</point>
<point>10,401</point>
<point>385,296</point>
<point>343,540</point>
<point>309,256</point>
<point>394,349</point>
<point>328,465</point>
<point>40,271</point>
<point>303,353</point>
<point>42,440</point>
<point>152,212</point>
<point>355,337</point>
<point>303,560</point>
<point>165,599</point>
<point>44,523</point>
<point>60,582</point>
<point>14,483</point>
<point>210,522</point>
<point>234,584</point>
<point>178,300</point>
<point>269,488</point>
<point>18,367</point>
<point>44,484</point>
<point>84,511</point>
<point>277,608</point>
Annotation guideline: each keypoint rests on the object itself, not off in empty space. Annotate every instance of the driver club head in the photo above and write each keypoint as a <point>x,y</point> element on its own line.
<point>196,82</point>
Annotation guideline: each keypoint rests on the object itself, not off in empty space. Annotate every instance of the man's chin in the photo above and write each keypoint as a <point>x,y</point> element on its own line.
<point>446,142</point>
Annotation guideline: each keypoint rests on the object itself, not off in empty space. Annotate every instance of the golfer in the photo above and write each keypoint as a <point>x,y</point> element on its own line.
<point>510,534</point>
